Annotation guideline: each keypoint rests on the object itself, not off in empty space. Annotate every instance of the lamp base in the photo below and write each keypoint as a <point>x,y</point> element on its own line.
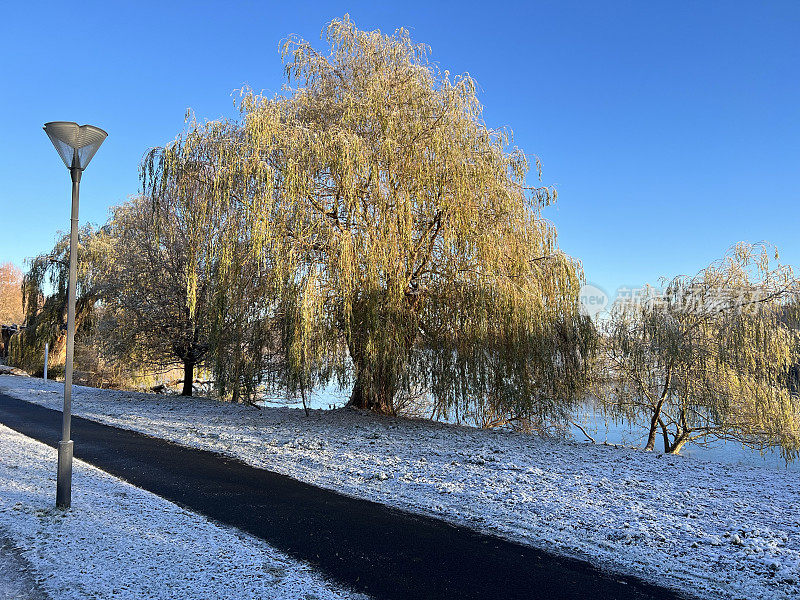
<point>64,477</point>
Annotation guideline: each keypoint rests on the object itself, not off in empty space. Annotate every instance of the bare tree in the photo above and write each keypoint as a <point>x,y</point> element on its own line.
<point>156,294</point>
<point>10,294</point>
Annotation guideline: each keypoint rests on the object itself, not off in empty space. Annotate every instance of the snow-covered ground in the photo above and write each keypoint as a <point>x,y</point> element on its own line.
<point>119,541</point>
<point>17,577</point>
<point>717,530</point>
<point>600,428</point>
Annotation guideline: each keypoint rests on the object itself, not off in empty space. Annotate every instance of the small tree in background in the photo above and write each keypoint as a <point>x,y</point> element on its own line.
<point>157,297</point>
<point>44,295</point>
<point>10,295</point>
<point>711,358</point>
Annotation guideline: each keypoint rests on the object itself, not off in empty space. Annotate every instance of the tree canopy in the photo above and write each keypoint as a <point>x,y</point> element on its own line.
<point>147,317</point>
<point>396,232</point>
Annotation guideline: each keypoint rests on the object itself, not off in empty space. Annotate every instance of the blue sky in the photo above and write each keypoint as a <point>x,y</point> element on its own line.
<point>671,129</point>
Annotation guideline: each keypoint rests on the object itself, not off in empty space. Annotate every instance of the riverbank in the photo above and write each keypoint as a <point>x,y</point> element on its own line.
<point>721,531</point>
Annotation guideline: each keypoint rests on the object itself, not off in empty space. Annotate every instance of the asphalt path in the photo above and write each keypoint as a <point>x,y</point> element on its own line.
<point>368,547</point>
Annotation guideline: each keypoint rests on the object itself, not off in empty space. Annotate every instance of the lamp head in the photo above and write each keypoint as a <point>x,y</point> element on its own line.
<point>76,144</point>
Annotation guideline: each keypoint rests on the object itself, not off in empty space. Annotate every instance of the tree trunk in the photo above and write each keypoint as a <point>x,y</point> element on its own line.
<point>651,436</point>
<point>376,383</point>
<point>665,435</point>
<point>675,447</point>
<point>684,431</point>
<point>188,378</point>
<point>378,397</point>
<point>654,421</point>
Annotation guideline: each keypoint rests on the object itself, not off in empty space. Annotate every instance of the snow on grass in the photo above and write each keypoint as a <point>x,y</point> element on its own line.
<point>16,574</point>
<point>720,531</point>
<point>119,541</point>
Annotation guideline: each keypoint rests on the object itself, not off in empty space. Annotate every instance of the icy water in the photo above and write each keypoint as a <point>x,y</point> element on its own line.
<point>603,432</point>
<point>718,451</point>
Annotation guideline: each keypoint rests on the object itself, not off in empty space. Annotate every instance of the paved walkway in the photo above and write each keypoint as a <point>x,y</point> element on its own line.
<point>384,552</point>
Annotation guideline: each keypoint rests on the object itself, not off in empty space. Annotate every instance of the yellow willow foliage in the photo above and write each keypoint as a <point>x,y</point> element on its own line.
<point>395,231</point>
<point>44,296</point>
<point>715,356</point>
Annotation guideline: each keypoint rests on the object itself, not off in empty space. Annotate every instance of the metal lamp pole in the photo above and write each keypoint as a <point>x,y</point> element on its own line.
<point>76,144</point>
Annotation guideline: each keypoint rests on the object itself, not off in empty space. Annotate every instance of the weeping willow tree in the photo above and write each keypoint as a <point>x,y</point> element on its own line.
<point>44,296</point>
<point>208,279</point>
<point>712,357</point>
<point>395,235</point>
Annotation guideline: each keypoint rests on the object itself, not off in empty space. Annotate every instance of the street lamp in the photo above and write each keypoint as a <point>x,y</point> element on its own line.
<point>76,144</point>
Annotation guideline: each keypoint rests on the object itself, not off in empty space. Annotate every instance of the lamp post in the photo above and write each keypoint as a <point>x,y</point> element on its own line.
<point>76,144</point>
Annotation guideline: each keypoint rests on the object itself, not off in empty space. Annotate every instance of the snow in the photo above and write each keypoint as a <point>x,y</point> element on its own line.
<point>6,370</point>
<point>717,530</point>
<point>16,575</point>
<point>119,541</point>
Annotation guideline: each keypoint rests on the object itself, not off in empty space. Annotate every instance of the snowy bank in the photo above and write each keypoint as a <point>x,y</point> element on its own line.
<point>119,541</point>
<point>720,531</point>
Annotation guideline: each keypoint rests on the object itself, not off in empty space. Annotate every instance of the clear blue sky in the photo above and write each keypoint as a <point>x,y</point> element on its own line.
<point>671,129</point>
